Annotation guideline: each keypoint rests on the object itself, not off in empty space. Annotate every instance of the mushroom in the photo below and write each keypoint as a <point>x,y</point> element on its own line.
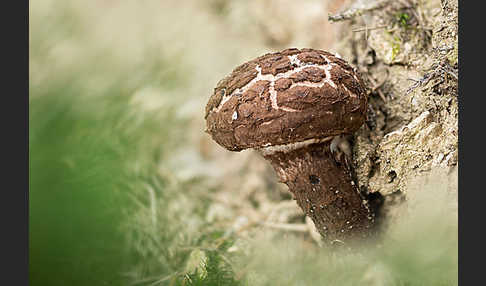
<point>296,107</point>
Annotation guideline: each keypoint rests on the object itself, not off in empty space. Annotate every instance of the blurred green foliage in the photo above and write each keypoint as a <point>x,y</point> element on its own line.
<point>91,148</point>
<point>402,19</point>
<point>83,157</point>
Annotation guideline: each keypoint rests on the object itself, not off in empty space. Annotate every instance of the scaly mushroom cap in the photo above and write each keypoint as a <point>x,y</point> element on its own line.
<point>286,97</point>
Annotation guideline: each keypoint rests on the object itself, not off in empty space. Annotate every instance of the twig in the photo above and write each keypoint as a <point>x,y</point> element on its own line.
<point>353,12</point>
<point>420,82</point>
<point>369,29</point>
<point>443,67</point>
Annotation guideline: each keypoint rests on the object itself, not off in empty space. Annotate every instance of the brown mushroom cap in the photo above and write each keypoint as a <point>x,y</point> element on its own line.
<point>286,97</point>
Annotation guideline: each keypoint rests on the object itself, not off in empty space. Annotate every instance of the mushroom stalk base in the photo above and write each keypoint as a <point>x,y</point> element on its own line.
<point>324,189</point>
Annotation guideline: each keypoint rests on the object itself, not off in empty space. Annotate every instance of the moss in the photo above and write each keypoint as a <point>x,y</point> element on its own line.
<point>395,47</point>
<point>403,19</point>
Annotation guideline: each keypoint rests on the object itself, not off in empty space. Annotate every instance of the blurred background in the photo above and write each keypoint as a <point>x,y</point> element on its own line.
<point>126,188</point>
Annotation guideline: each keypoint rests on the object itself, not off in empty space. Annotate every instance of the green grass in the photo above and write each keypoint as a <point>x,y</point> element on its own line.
<point>87,155</point>
<point>101,212</point>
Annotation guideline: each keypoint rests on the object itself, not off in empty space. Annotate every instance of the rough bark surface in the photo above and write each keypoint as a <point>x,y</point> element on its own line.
<point>407,53</point>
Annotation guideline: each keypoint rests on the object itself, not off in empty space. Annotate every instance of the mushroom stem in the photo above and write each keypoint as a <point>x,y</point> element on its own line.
<point>324,188</point>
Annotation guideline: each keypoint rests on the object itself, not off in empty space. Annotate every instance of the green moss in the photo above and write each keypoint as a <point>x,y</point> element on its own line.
<point>403,19</point>
<point>395,47</point>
